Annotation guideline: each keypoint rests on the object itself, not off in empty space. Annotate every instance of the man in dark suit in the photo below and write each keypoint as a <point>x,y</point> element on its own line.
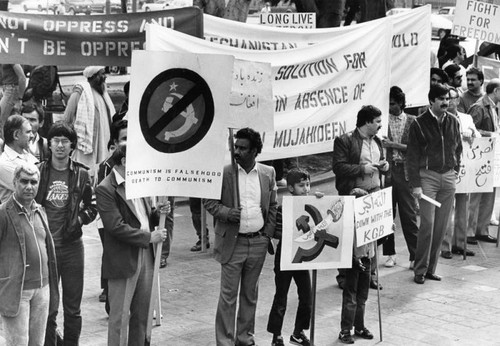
<point>242,235</point>
<point>128,256</point>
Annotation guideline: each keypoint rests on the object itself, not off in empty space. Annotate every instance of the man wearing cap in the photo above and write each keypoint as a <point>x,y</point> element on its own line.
<point>89,110</point>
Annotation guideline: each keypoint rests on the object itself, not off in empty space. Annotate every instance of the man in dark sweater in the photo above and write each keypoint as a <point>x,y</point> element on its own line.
<point>433,158</point>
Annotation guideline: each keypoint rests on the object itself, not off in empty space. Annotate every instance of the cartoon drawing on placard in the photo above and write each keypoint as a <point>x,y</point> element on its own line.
<point>317,233</point>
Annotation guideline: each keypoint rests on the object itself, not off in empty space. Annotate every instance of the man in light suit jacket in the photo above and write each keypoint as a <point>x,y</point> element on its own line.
<point>242,235</point>
<point>127,257</point>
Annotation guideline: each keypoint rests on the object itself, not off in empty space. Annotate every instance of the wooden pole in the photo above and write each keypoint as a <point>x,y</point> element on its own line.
<point>378,295</point>
<point>155,290</point>
<point>313,305</point>
<point>203,228</point>
<point>234,165</point>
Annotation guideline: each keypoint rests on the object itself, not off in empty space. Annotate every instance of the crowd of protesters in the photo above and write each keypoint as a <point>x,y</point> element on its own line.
<point>50,187</point>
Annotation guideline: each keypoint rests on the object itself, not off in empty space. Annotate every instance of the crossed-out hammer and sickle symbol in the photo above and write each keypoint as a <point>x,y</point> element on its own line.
<point>322,237</point>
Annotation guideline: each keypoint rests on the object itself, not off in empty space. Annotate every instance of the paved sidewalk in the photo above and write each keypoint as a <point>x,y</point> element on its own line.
<point>463,309</point>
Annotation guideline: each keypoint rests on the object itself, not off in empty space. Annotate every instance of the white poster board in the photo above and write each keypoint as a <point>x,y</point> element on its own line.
<point>317,232</point>
<point>478,20</point>
<point>177,124</point>
<point>251,103</point>
<point>373,216</point>
<point>476,172</point>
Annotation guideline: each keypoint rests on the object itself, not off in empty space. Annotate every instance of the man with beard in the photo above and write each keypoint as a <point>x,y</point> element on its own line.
<point>242,235</point>
<point>433,159</point>
<point>66,194</point>
<point>90,110</point>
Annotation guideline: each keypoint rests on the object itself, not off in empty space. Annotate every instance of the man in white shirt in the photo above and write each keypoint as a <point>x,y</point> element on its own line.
<point>17,133</point>
<point>243,229</point>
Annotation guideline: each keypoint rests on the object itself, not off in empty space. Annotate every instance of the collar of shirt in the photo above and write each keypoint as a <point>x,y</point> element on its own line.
<point>254,169</point>
<point>35,139</point>
<point>435,116</point>
<point>364,136</point>
<point>397,118</point>
<point>492,104</point>
<point>34,206</point>
<point>119,179</point>
<point>12,154</point>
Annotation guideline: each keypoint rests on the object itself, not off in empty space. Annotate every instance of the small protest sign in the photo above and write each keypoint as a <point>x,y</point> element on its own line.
<point>317,232</point>
<point>373,216</point>
<point>476,172</point>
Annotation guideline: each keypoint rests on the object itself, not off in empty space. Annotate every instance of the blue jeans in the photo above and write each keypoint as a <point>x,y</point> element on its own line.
<point>433,221</point>
<point>70,263</point>
<point>28,327</point>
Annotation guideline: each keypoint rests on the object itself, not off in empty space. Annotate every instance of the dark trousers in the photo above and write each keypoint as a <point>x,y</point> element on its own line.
<point>169,225</point>
<point>354,296</point>
<point>195,208</point>
<point>283,279</point>
<point>404,200</point>
<point>70,263</point>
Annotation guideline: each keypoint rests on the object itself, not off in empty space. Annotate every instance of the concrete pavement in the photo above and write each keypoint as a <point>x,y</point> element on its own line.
<point>463,309</point>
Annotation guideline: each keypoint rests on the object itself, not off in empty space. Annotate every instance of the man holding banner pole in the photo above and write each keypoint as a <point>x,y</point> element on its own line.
<point>485,116</point>
<point>242,235</point>
<point>358,161</point>
<point>127,255</point>
<point>433,159</point>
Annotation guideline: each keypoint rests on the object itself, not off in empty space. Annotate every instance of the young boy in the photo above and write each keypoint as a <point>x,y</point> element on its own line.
<point>298,183</point>
<point>356,287</point>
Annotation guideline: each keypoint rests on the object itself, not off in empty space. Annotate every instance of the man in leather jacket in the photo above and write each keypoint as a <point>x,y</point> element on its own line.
<point>64,185</point>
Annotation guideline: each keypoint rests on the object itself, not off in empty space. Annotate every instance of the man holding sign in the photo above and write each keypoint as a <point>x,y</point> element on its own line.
<point>485,116</point>
<point>433,158</point>
<point>358,160</point>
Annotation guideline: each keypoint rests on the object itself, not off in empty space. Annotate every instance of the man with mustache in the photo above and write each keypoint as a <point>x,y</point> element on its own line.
<point>90,110</point>
<point>475,79</point>
<point>242,234</point>
<point>433,159</point>
<point>66,194</point>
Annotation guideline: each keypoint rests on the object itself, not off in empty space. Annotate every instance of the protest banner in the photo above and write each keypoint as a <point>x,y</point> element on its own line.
<point>289,20</point>
<point>477,20</point>
<point>317,233</point>
<point>251,100</point>
<point>476,172</point>
<point>373,216</point>
<point>38,39</point>
<point>490,68</point>
<point>410,44</point>
<point>317,90</point>
<point>177,128</point>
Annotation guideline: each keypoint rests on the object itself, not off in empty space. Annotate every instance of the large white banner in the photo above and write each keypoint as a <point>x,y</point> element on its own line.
<point>490,68</point>
<point>477,173</point>
<point>410,44</point>
<point>317,90</point>
<point>318,233</point>
<point>177,124</point>
<point>478,20</point>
